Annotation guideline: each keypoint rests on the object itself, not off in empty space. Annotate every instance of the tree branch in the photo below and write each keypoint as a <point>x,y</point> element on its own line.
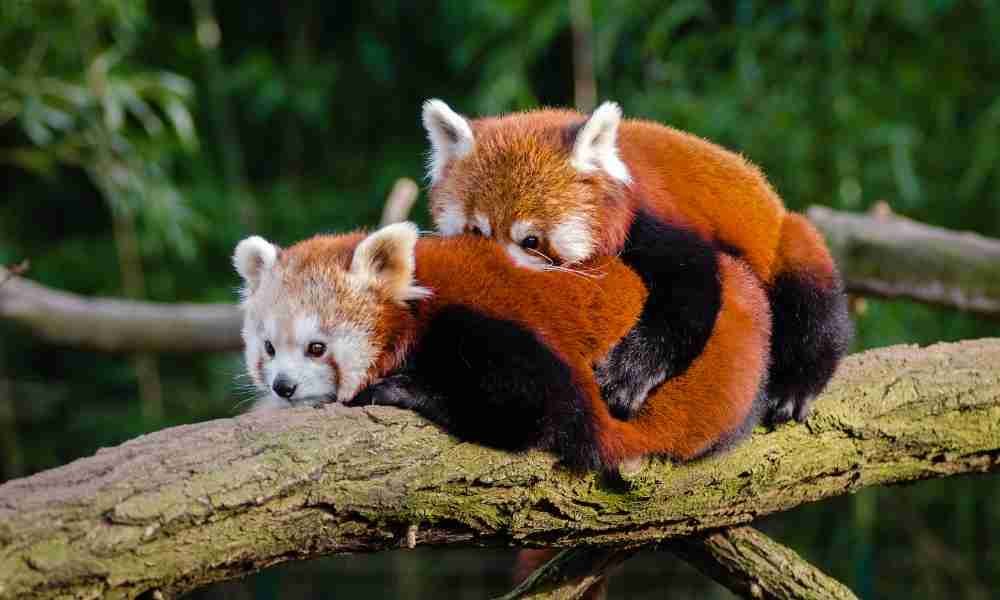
<point>400,201</point>
<point>894,257</point>
<point>187,506</point>
<point>743,559</point>
<point>572,573</point>
<point>754,566</point>
<point>114,325</point>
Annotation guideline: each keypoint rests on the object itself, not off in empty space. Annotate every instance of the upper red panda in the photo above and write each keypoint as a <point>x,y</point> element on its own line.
<point>497,354</point>
<point>556,187</point>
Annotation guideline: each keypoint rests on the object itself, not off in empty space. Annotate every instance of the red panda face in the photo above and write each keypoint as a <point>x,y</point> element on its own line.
<point>319,319</point>
<point>541,183</point>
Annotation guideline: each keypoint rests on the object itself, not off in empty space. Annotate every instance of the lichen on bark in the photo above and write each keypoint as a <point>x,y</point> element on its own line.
<point>183,507</point>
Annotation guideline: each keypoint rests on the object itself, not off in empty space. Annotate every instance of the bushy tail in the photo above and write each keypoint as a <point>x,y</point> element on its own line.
<point>812,330</point>
<point>716,401</point>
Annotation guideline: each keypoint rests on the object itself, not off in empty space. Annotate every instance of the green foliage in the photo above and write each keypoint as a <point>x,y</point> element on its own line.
<point>203,122</point>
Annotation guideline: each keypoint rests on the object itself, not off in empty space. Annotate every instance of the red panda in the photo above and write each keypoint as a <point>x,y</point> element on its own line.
<point>556,188</point>
<point>497,354</point>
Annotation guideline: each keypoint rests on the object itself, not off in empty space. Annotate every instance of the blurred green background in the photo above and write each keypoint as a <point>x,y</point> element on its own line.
<point>140,141</point>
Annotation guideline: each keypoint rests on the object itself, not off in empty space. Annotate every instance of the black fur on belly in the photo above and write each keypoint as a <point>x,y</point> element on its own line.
<point>811,333</point>
<point>681,273</point>
<point>493,382</point>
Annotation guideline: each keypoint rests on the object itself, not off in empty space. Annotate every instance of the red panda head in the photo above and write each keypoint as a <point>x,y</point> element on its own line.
<point>548,185</point>
<point>324,317</point>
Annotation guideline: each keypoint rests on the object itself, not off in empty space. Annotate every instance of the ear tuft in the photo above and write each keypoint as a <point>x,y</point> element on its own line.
<point>387,258</point>
<point>596,145</point>
<point>254,257</point>
<point>449,133</point>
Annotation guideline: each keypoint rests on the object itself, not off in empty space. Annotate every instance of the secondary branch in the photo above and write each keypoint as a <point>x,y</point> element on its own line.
<point>894,257</point>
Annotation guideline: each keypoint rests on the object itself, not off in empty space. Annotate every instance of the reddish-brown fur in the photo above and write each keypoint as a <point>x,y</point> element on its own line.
<point>580,319</point>
<point>687,414</point>
<point>520,170</point>
<point>803,251</point>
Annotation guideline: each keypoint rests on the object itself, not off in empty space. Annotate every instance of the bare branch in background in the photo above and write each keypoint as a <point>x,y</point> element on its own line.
<point>155,514</point>
<point>115,325</point>
<point>400,201</point>
<point>14,271</point>
<point>893,257</point>
<point>572,574</point>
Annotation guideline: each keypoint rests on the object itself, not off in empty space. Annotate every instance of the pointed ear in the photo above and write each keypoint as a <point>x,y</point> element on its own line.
<point>596,145</point>
<point>450,135</point>
<point>388,258</point>
<point>254,257</point>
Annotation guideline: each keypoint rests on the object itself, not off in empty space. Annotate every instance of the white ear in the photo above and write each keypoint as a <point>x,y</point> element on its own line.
<point>596,145</point>
<point>450,135</point>
<point>253,258</point>
<point>388,258</point>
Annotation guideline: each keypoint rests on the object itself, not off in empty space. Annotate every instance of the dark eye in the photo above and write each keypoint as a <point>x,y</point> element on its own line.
<point>530,243</point>
<point>476,230</point>
<point>316,349</point>
<point>269,347</point>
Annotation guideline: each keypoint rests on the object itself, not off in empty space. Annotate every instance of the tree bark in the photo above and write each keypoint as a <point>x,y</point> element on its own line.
<point>753,565</point>
<point>894,257</point>
<point>187,506</point>
<point>115,325</point>
<point>572,574</point>
<point>400,201</point>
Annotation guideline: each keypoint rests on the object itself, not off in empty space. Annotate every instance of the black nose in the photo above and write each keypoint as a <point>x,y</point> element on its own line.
<point>283,387</point>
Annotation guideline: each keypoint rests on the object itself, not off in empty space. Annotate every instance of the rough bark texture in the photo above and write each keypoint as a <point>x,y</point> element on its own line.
<point>187,506</point>
<point>755,566</point>
<point>894,257</point>
<point>573,574</point>
<point>115,325</point>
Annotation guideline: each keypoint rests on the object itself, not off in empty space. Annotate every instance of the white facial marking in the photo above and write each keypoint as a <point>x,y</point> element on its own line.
<point>354,352</point>
<point>571,239</point>
<point>522,229</point>
<point>268,403</point>
<point>596,146</point>
<point>483,224</point>
<point>450,218</point>
<point>450,136</point>
<point>314,378</point>
<point>524,258</point>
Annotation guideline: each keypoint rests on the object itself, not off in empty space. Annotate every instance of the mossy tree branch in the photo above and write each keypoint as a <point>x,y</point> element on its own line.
<point>741,558</point>
<point>754,566</point>
<point>187,506</point>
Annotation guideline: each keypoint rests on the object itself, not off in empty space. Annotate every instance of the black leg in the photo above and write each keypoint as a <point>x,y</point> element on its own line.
<point>403,390</point>
<point>812,331</point>
<point>680,271</point>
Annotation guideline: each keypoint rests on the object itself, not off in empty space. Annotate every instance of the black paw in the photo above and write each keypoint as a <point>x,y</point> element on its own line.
<point>626,389</point>
<point>793,407</point>
<point>391,391</point>
<point>633,367</point>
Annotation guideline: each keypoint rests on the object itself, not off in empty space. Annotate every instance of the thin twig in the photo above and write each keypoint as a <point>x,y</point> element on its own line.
<point>13,271</point>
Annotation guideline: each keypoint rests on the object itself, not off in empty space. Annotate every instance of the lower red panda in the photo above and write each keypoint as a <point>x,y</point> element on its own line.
<point>556,187</point>
<point>500,355</point>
